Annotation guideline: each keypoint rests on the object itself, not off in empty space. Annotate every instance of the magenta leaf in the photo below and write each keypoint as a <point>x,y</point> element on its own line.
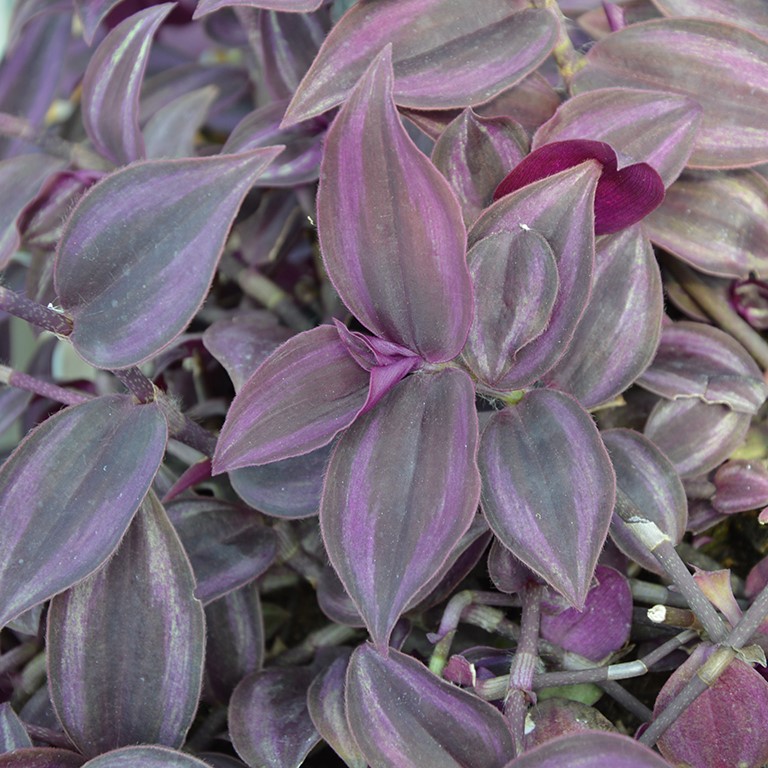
<point>696,436</point>
<point>741,485</point>
<point>648,126</point>
<point>619,331</point>
<point>145,757</point>
<point>396,260</point>
<point>475,153</point>
<point>548,488</point>
<point>112,83</point>
<point>731,81</point>
<point>234,642</point>
<point>624,195</point>
<point>401,489</point>
<point>589,749</point>
<point>21,178</point>
<point>68,493</point>
<point>228,546</point>
<point>717,222</point>
<point>269,721</point>
<point>515,279</point>
<point>116,278</point>
<point>700,361</point>
<point>561,208</point>
<point>292,6</point>
<point>404,716</point>
<point>649,480</point>
<point>325,701</point>
<point>306,392</point>
<point>13,734</point>
<point>723,727</point>
<point>125,646</point>
<point>445,53</point>
<point>752,14</point>
<point>601,628</point>
<point>41,757</point>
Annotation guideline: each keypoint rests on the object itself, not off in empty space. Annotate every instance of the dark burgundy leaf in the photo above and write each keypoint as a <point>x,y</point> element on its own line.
<point>41,757</point>
<point>126,645</point>
<point>68,493</point>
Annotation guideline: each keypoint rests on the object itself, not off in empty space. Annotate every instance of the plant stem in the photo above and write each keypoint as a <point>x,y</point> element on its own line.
<point>36,314</point>
<point>138,384</point>
<point>623,697</point>
<point>569,60</point>
<point>273,297</point>
<point>43,388</point>
<point>17,656</point>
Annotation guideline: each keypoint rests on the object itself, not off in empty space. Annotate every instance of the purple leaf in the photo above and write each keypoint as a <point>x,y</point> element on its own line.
<point>216,760</point>
<point>292,6</point>
<point>242,342</point>
<point>446,53</point>
<point>290,488</point>
<point>401,489</point>
<point>325,701</point>
<point>13,734</point>
<point>112,83</point>
<point>514,275</point>
<point>507,573</point>
<point>589,749</point>
<point>228,546</point>
<point>717,222</point>
<point>750,299</point>
<point>404,716</point>
<point>298,164</point>
<point>396,259</point>
<point>92,13</point>
<point>619,331</point>
<point>474,153</point>
<point>306,392</point>
<point>559,717</point>
<point>699,361</point>
<point>334,601</point>
<point>114,275</point>
<point>648,126</point>
<point>647,477</point>
<point>289,43</point>
<point>624,195</point>
<point>41,757</point>
<point>722,67</point>
<point>548,488</point>
<point>145,757</point>
<point>269,722</point>
<point>601,628</point>
<point>125,646</point>
<point>741,486</point>
<point>750,14</point>
<point>234,640</point>
<point>173,129</point>
<point>30,73</point>
<point>68,492</point>
<point>723,727</point>
<point>696,436</point>
<point>21,178</point>
<point>561,208</point>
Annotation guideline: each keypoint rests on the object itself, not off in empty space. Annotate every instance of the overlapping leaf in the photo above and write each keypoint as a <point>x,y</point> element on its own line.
<point>717,222</point>
<point>476,51</point>
<point>138,253</point>
<point>401,489</point>
<point>750,14</point>
<point>390,227</point>
<point>697,360</point>
<point>298,400</point>
<point>654,127</point>
<point>291,6</point>
<point>617,336</point>
<point>548,488</point>
<point>561,209</point>
<point>13,734</point>
<point>125,646</point>
<point>649,480</point>
<point>403,716</point>
<point>269,721</point>
<point>41,757</point>
<point>112,83</point>
<point>68,492</point>
<point>145,757</point>
<point>722,67</point>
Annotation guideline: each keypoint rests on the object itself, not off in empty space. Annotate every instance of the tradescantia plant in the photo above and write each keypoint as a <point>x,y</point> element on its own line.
<point>361,429</point>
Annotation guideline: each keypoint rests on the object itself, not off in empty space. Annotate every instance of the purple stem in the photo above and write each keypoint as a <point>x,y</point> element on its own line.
<point>42,317</point>
<point>43,388</point>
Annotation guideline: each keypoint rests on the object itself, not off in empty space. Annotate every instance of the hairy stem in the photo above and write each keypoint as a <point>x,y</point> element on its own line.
<point>43,388</point>
<point>36,314</point>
